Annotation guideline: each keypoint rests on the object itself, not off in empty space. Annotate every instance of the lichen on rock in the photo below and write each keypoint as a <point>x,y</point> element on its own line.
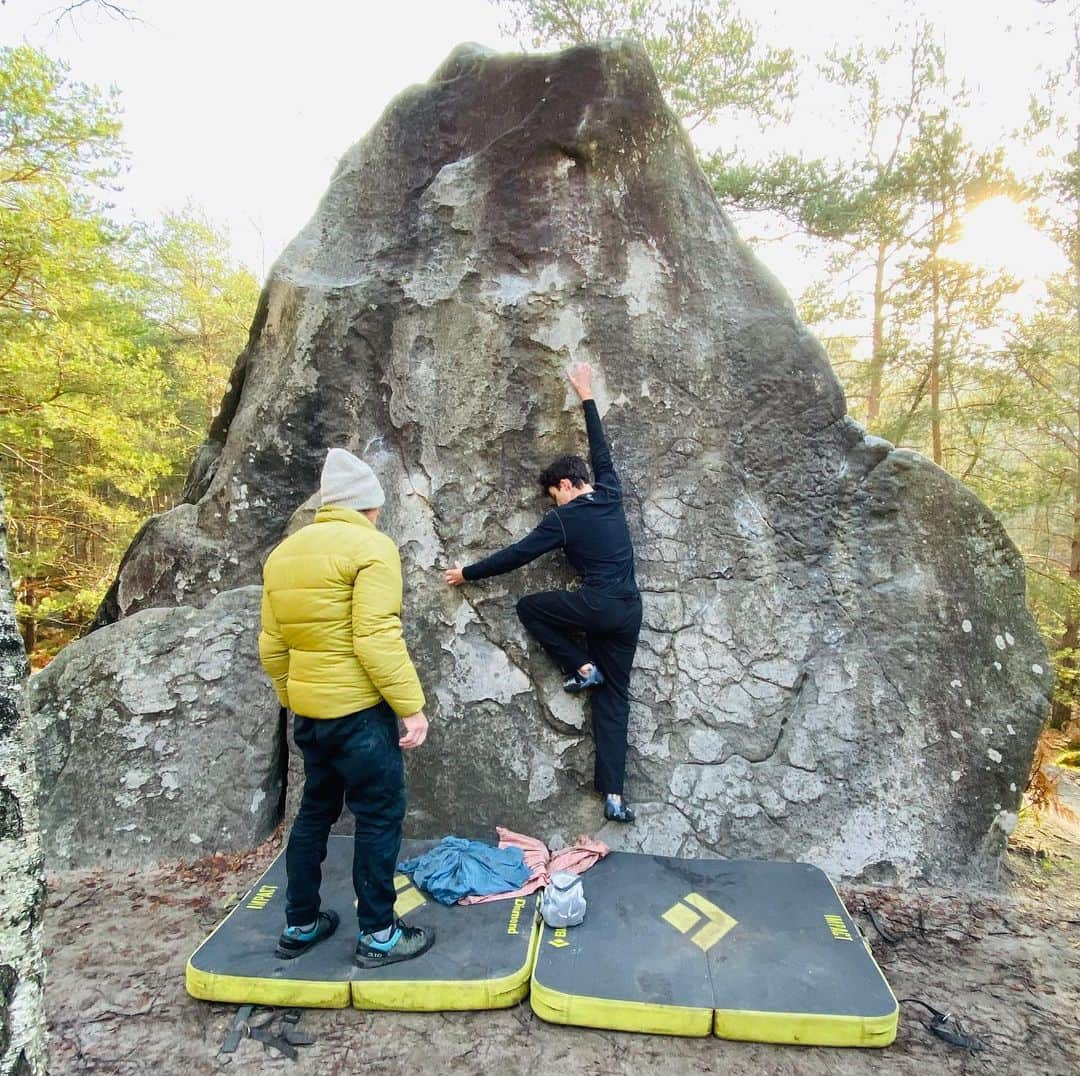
<point>159,737</point>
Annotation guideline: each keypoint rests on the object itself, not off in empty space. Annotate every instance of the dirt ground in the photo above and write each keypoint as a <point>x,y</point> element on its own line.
<point>1006,962</point>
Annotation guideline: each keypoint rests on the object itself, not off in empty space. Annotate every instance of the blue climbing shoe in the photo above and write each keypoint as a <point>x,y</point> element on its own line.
<point>577,683</point>
<point>295,942</point>
<point>404,943</point>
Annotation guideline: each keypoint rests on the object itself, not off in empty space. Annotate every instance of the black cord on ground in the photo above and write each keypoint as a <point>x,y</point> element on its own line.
<point>879,924</point>
<point>947,1027</point>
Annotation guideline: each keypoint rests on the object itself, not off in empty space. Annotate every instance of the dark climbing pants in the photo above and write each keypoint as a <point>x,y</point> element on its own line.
<point>556,619</point>
<point>355,759</point>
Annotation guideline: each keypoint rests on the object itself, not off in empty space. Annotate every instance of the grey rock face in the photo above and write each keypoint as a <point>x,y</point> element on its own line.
<point>23,1044</point>
<point>837,664</point>
<point>159,737</point>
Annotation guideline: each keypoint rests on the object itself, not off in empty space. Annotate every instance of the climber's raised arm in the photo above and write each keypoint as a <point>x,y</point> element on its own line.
<point>599,451</point>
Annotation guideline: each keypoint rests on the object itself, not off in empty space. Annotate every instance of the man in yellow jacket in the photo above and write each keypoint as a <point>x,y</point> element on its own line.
<point>331,644</point>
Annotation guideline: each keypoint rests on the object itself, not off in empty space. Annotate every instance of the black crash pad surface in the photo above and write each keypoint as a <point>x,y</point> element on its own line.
<point>481,957</point>
<point>770,940</point>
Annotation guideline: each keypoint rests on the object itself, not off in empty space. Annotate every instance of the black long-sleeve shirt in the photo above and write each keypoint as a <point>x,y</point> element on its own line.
<point>591,529</point>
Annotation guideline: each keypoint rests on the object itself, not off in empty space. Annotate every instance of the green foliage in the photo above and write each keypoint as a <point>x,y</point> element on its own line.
<point>50,125</point>
<point>114,343</point>
<point>822,198</point>
<point>1033,476</point>
<point>708,58</point>
<point>201,303</point>
<point>57,140</point>
<point>859,199</point>
<point>890,211</point>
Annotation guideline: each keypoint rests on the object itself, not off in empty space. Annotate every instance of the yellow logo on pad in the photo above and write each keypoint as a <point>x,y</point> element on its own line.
<point>514,924</point>
<point>559,941</point>
<point>685,919</point>
<point>262,897</point>
<point>838,928</point>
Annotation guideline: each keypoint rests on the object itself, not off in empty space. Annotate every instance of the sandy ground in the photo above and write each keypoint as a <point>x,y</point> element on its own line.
<point>1006,962</point>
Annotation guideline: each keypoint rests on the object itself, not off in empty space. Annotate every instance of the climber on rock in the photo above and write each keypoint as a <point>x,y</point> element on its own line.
<point>331,644</point>
<point>589,523</point>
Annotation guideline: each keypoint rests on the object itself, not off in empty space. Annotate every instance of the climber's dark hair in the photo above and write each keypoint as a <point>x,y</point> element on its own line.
<point>572,467</point>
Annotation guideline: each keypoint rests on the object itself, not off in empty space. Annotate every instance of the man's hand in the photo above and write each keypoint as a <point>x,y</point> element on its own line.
<point>415,731</point>
<point>453,576</point>
<point>581,378</point>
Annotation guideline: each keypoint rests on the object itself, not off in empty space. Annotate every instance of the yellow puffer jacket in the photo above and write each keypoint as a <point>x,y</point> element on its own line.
<point>331,620</point>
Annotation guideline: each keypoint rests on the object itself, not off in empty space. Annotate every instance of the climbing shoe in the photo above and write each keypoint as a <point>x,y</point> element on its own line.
<point>404,943</point>
<point>295,942</point>
<point>616,811</point>
<point>578,683</point>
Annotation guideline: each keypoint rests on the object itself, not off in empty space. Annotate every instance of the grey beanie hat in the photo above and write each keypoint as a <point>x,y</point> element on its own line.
<point>348,482</point>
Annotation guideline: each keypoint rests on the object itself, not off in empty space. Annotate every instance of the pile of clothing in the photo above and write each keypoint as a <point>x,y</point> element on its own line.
<point>460,871</point>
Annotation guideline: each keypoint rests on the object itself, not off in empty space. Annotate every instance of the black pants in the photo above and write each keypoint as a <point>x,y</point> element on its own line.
<point>555,619</point>
<point>355,758</point>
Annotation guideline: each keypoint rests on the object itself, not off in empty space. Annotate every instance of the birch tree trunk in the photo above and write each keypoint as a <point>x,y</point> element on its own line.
<point>23,1050</point>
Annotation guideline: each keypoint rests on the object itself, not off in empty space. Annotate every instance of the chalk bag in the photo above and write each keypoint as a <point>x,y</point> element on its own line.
<point>563,902</point>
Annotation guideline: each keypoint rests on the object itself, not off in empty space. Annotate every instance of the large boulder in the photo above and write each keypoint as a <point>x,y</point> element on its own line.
<point>159,737</point>
<point>837,662</point>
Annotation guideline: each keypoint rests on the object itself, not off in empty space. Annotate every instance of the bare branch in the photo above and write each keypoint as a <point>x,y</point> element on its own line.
<point>114,11</point>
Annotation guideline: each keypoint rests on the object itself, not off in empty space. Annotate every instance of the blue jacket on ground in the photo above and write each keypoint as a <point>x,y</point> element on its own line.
<point>457,868</point>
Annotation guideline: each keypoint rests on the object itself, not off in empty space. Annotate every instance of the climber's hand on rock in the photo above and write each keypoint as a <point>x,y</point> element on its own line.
<point>581,378</point>
<point>416,726</point>
<point>453,575</point>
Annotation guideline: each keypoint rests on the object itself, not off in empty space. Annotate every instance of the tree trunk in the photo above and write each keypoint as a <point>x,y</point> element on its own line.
<point>877,353</point>
<point>22,895</point>
<point>935,370</point>
<point>1062,711</point>
<point>31,588</point>
<point>935,356</point>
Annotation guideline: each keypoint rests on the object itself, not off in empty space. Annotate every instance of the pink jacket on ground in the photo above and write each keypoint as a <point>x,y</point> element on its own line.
<point>577,859</point>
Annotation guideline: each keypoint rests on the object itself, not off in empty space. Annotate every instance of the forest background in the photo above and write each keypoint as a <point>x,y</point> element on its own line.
<point>940,258</point>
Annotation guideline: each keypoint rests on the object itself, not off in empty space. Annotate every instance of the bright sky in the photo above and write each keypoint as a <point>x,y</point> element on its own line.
<point>244,106</point>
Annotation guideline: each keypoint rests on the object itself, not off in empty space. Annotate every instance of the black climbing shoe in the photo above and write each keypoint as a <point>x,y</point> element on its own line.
<point>578,683</point>
<point>618,812</point>
<point>294,942</point>
<point>404,944</point>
